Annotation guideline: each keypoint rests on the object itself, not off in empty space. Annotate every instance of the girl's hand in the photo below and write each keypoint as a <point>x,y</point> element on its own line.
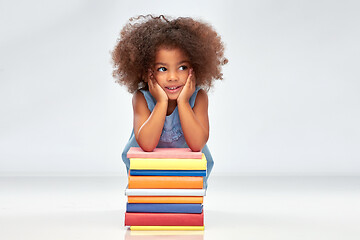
<point>156,91</point>
<point>188,89</point>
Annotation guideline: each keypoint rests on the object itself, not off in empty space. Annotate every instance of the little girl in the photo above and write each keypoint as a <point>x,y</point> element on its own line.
<point>168,65</point>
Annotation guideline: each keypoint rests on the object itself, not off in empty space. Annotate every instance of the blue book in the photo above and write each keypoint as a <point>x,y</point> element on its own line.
<point>168,172</point>
<point>164,207</point>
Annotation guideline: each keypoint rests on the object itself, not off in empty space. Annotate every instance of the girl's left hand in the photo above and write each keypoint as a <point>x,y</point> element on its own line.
<point>188,89</point>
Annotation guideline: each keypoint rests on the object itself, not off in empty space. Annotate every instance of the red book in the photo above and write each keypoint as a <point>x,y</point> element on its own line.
<point>164,219</point>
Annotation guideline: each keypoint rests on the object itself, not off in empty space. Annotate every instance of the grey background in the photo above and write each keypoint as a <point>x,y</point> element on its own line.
<point>289,104</point>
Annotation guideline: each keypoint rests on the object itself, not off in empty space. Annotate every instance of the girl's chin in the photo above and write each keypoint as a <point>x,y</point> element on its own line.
<point>173,98</point>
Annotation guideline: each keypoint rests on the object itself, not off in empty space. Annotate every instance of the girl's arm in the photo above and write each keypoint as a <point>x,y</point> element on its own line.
<point>148,125</point>
<point>195,121</point>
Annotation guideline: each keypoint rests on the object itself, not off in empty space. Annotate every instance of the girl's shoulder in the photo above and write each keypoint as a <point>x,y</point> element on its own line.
<point>199,93</point>
<point>141,92</point>
<point>201,99</point>
<point>139,104</point>
<point>142,96</point>
<point>138,97</point>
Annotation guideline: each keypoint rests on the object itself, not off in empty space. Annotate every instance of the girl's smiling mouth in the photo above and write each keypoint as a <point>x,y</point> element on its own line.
<point>173,89</point>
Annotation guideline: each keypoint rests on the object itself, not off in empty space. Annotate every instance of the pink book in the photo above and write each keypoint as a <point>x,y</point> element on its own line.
<point>137,152</point>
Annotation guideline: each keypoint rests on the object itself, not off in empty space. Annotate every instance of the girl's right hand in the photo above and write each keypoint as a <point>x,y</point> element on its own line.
<point>156,91</point>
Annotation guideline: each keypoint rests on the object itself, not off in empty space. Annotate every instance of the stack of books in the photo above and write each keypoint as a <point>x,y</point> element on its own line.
<point>165,189</point>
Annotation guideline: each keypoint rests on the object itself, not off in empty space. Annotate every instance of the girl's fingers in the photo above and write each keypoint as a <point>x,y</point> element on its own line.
<point>150,83</point>
<point>151,79</point>
<point>191,78</point>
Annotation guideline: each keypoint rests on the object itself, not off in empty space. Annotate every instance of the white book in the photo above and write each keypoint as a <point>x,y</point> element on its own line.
<point>165,192</point>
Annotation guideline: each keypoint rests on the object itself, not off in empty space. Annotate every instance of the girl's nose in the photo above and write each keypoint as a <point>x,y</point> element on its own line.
<point>173,76</point>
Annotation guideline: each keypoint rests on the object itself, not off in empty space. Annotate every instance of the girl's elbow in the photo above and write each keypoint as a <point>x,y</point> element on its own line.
<point>147,148</point>
<point>197,147</point>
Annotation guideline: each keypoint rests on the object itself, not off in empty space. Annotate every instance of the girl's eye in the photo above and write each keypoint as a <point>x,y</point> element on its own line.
<point>183,67</point>
<point>161,69</point>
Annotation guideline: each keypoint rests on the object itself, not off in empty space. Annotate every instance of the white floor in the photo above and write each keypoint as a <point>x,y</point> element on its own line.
<point>235,208</point>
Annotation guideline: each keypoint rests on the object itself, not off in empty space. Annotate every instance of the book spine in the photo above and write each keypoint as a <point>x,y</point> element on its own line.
<point>165,182</point>
<point>164,207</point>
<point>168,164</point>
<point>167,228</point>
<point>165,199</point>
<point>199,173</point>
<point>165,192</point>
<point>164,219</point>
<point>182,153</point>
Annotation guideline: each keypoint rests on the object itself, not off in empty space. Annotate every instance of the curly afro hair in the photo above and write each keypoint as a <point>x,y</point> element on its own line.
<point>142,36</point>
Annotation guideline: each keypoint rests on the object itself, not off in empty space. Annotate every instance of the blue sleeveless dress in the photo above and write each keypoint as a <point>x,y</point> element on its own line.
<point>172,135</point>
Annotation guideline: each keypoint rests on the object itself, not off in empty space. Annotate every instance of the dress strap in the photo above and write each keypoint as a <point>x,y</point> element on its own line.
<point>150,100</point>
<point>193,97</point>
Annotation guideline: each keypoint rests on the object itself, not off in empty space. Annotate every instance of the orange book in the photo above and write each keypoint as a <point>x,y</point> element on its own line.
<point>165,182</point>
<point>165,199</point>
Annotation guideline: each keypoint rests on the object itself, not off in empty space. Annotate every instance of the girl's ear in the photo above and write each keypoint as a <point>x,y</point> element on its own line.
<point>148,75</point>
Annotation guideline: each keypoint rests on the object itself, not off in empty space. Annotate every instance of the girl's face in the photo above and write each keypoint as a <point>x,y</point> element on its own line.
<point>171,70</point>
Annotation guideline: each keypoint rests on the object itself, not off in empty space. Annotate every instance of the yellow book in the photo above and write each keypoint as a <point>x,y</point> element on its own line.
<point>168,163</point>
<point>167,228</point>
<point>166,233</point>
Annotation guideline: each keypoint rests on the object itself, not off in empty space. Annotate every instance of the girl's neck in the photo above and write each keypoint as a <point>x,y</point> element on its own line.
<point>171,107</point>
